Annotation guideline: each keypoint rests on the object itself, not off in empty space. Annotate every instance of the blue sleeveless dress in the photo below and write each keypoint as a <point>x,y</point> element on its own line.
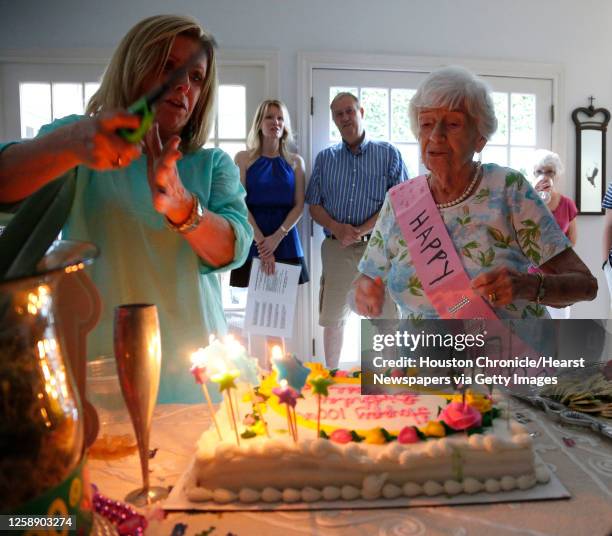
<point>270,186</point>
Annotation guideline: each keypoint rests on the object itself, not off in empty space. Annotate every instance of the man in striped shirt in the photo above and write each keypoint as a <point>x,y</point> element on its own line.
<point>345,193</point>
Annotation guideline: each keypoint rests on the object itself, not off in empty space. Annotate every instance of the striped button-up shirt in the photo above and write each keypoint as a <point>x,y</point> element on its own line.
<point>352,187</point>
<point>607,201</point>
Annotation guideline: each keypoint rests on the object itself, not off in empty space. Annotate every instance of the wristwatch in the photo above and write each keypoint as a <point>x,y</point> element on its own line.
<point>194,219</point>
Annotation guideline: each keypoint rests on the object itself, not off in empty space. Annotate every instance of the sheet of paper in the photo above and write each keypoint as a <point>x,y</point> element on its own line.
<point>271,300</point>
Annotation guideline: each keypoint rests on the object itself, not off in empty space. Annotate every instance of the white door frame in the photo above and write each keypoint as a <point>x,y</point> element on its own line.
<point>268,59</point>
<point>308,61</point>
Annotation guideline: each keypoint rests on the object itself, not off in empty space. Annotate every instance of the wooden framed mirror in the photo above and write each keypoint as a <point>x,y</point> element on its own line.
<point>591,126</point>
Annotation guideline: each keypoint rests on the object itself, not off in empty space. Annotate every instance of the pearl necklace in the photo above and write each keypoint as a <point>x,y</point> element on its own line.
<point>465,193</point>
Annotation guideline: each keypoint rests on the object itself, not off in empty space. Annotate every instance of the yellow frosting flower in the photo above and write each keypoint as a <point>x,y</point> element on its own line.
<point>375,437</point>
<point>433,429</point>
<point>476,400</point>
<point>268,383</point>
<point>259,428</point>
<point>317,370</point>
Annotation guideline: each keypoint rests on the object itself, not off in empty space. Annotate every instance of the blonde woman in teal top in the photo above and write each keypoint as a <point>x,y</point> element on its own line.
<point>167,216</point>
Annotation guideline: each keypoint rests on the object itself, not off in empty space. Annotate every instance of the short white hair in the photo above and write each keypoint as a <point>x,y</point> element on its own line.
<point>455,88</point>
<point>544,157</point>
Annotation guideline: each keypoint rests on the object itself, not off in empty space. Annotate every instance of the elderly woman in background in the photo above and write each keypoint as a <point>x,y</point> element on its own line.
<point>166,222</point>
<point>459,242</point>
<point>547,171</point>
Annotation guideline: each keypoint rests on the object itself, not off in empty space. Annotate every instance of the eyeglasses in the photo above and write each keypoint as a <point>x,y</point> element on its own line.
<point>545,172</point>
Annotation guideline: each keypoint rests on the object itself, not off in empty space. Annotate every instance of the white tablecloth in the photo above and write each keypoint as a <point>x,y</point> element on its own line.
<point>581,460</point>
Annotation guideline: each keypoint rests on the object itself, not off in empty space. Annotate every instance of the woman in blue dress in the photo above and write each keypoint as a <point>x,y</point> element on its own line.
<point>274,180</point>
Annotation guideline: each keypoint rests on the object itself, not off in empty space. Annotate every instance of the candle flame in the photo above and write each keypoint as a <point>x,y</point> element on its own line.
<point>277,353</point>
<point>198,358</point>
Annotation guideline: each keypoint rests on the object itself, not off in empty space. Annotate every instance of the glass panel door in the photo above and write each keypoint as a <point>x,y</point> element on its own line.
<point>522,107</point>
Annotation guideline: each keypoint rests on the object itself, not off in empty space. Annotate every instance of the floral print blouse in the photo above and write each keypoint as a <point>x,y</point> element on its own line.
<point>504,222</point>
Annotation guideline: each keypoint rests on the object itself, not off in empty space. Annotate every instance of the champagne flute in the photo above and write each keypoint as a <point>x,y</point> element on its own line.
<point>138,354</point>
<point>545,189</point>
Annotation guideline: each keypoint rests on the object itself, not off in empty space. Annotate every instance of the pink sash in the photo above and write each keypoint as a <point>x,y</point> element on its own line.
<point>433,253</point>
<point>439,267</point>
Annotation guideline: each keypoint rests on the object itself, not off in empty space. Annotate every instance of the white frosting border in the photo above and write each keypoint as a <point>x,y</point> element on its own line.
<point>374,487</point>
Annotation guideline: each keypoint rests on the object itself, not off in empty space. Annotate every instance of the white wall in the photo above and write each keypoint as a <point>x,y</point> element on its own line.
<point>574,34</point>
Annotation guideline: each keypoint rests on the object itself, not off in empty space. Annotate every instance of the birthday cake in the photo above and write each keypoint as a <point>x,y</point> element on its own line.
<point>330,443</point>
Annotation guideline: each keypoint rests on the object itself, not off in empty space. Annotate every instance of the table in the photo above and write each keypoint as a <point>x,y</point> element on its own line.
<point>581,460</point>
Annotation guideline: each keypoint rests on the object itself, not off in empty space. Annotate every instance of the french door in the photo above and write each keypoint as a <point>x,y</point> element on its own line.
<point>522,106</point>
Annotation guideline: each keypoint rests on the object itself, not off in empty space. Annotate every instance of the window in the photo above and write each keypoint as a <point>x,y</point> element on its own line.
<point>230,128</point>
<point>515,140</point>
<point>42,102</point>
<point>386,118</point>
<point>229,134</point>
<point>33,93</point>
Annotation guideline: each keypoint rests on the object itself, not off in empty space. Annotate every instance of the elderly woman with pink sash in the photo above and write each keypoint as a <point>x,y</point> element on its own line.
<point>459,241</point>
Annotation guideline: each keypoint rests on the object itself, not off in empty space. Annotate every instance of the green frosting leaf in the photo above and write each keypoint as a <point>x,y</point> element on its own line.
<point>487,419</point>
<point>421,435</point>
<point>248,434</point>
<point>388,436</point>
<point>356,437</point>
<point>448,429</point>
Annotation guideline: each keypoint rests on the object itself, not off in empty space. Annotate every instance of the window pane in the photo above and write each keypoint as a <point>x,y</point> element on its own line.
<point>67,99</point>
<point>500,102</point>
<point>232,147</point>
<point>34,107</point>
<point>523,119</point>
<point>334,134</point>
<point>521,159</point>
<point>375,102</point>
<point>334,90</point>
<point>410,155</point>
<point>492,154</point>
<point>90,89</point>
<point>232,112</point>
<point>400,120</point>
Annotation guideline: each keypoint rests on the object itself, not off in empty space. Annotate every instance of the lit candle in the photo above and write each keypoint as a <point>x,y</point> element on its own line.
<point>200,374</point>
<point>226,383</point>
<point>291,371</point>
<point>320,386</point>
<point>289,368</point>
<point>239,359</point>
<point>287,395</point>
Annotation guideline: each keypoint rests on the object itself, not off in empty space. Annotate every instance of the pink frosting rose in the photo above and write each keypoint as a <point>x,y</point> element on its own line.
<point>408,435</point>
<point>341,436</point>
<point>249,420</point>
<point>459,416</point>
